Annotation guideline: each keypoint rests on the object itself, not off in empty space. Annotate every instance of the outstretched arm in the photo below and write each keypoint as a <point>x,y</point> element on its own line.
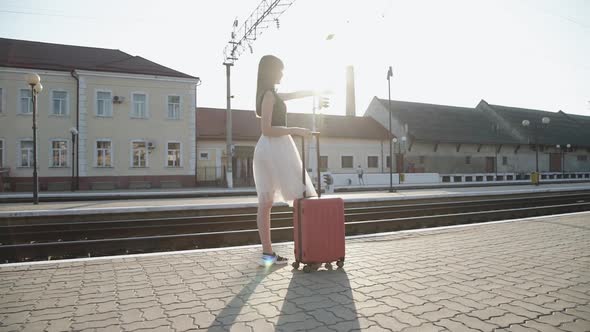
<point>297,94</point>
<point>303,94</point>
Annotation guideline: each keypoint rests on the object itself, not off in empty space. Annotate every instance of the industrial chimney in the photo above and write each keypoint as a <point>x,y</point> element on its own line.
<point>350,100</point>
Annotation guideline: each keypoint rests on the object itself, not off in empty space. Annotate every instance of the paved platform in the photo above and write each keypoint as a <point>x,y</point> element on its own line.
<point>161,204</point>
<point>525,275</point>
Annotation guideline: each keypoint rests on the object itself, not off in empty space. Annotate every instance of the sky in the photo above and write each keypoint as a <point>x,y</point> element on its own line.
<point>521,53</point>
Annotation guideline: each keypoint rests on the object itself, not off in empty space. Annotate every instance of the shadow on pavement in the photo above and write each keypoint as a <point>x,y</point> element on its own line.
<point>226,317</point>
<point>317,299</point>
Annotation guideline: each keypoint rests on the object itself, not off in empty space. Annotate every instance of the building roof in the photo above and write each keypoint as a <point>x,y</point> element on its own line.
<point>246,126</point>
<point>562,129</point>
<point>488,124</point>
<point>450,124</point>
<point>37,55</point>
<point>583,122</point>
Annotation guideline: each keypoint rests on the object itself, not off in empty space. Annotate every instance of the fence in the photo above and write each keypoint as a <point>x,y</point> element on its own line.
<point>215,177</point>
<point>517,177</point>
<point>381,179</point>
<point>211,176</point>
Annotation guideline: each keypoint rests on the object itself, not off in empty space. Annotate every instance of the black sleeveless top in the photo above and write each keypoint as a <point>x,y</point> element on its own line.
<point>279,112</point>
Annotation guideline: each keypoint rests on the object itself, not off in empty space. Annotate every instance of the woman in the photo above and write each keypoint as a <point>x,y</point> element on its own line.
<point>277,165</point>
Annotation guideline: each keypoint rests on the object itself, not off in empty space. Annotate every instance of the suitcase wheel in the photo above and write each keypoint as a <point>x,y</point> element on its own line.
<point>328,266</point>
<point>307,269</point>
<point>295,265</point>
<point>340,264</point>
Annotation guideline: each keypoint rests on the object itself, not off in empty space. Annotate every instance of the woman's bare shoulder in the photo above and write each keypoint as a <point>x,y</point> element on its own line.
<point>268,95</point>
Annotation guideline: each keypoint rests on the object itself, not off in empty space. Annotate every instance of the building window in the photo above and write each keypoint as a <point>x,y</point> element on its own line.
<point>26,153</point>
<point>388,161</point>
<point>373,162</point>
<point>346,162</point>
<point>422,159</point>
<point>138,154</point>
<point>25,102</point>
<point>583,158</point>
<point>104,105</point>
<point>59,103</point>
<point>174,107</point>
<point>139,105</point>
<point>203,155</point>
<point>468,160</point>
<point>59,153</point>
<point>1,153</point>
<point>323,163</point>
<point>104,151</point>
<point>504,160</point>
<point>174,154</point>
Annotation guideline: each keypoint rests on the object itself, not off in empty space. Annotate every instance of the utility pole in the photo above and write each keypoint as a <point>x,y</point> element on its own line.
<point>389,75</point>
<point>265,14</point>
<point>228,130</point>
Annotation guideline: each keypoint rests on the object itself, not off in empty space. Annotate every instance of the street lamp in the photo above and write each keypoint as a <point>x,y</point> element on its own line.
<point>74,133</point>
<point>544,122</point>
<point>224,165</point>
<point>563,151</point>
<point>560,158</point>
<point>389,75</point>
<point>35,82</point>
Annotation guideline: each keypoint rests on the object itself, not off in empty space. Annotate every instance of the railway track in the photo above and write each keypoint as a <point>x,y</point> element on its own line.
<point>30,238</point>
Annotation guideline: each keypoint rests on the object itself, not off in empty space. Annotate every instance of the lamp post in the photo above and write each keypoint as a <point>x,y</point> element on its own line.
<point>399,153</point>
<point>563,151</point>
<point>560,158</point>
<point>74,133</point>
<point>568,146</point>
<point>402,154</point>
<point>394,140</point>
<point>34,82</point>
<point>224,165</point>
<point>544,122</point>
<point>389,75</point>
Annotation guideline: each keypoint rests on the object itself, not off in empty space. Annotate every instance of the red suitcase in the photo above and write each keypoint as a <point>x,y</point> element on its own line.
<point>318,225</point>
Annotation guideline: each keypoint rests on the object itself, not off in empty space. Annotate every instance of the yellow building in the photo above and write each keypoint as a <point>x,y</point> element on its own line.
<point>135,119</point>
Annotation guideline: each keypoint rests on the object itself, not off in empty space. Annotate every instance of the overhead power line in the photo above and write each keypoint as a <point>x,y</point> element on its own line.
<point>242,36</point>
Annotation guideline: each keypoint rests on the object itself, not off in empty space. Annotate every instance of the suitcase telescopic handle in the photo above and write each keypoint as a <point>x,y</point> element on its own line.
<point>317,135</point>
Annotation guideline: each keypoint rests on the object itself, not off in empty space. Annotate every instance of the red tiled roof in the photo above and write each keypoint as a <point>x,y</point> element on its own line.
<point>29,54</point>
<point>246,126</point>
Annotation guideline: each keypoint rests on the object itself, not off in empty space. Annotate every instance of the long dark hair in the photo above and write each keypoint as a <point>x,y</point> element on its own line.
<point>268,69</point>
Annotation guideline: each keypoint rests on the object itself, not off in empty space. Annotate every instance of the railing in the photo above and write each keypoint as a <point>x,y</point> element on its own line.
<point>381,179</point>
<point>4,175</point>
<point>210,176</point>
<point>215,177</point>
<point>517,177</point>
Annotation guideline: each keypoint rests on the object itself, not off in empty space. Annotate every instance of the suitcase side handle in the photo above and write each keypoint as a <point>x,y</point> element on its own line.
<point>317,135</point>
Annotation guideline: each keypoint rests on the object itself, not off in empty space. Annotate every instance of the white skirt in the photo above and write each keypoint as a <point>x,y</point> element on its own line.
<point>277,170</point>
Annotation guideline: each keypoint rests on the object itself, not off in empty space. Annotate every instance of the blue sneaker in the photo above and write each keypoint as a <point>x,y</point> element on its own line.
<point>272,259</point>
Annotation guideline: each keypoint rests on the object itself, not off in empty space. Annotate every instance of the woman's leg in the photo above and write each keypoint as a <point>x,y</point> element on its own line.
<point>263,222</point>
